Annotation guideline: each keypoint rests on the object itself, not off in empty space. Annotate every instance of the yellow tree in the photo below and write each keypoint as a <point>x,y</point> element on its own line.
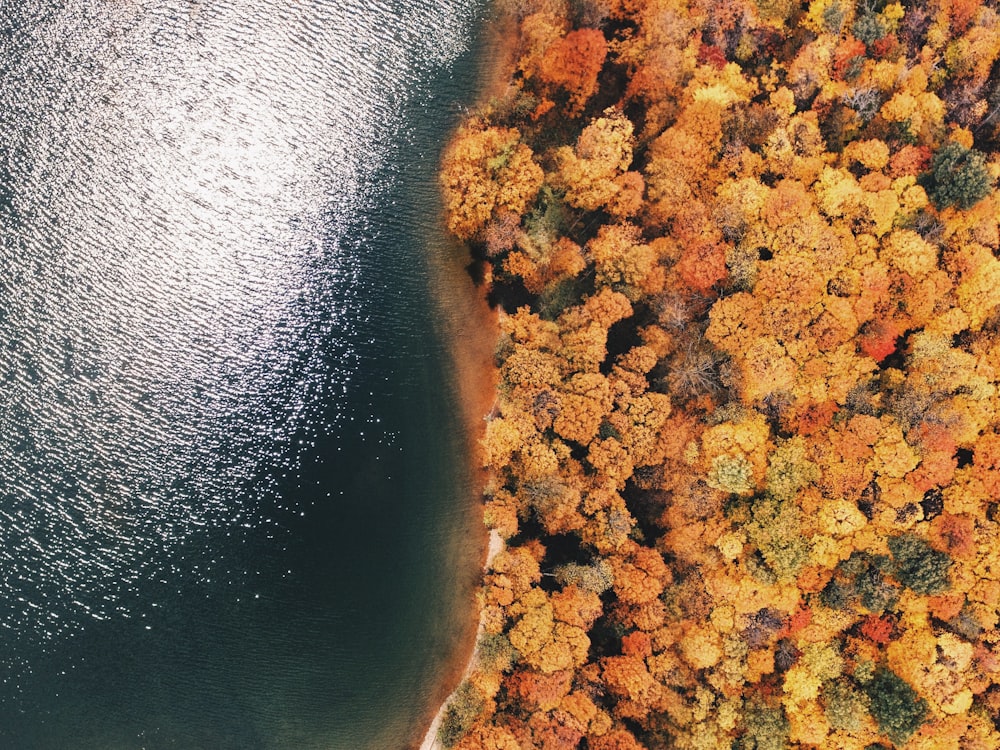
<point>594,174</point>
<point>486,169</point>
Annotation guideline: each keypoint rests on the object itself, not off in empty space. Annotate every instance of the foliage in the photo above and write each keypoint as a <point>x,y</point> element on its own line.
<point>896,707</point>
<point>958,177</point>
<point>918,566</point>
<point>461,712</point>
<point>597,577</point>
<point>495,652</point>
<point>766,729</point>
<point>485,170</point>
<point>862,578</point>
<point>844,706</point>
<point>775,528</point>
<point>744,449</point>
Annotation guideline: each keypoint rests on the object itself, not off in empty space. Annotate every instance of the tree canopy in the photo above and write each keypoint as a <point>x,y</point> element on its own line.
<point>745,452</point>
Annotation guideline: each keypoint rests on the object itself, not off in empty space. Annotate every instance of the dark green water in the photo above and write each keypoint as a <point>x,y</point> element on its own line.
<point>234,507</point>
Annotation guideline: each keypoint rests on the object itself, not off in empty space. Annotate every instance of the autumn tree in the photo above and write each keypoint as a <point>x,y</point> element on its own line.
<point>594,174</point>
<point>484,170</point>
<point>573,63</point>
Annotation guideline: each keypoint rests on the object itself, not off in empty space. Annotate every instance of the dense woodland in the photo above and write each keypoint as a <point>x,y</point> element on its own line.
<point>745,453</point>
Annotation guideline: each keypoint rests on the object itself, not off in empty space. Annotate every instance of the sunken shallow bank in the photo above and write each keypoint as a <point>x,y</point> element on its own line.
<point>233,481</point>
<point>744,449</point>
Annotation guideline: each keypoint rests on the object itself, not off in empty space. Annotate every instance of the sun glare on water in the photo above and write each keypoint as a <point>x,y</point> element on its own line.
<point>181,178</point>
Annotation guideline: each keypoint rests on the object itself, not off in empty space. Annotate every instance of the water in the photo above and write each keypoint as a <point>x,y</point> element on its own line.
<point>232,494</point>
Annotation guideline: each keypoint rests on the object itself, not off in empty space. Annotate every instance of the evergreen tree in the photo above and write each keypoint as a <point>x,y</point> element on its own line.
<point>958,177</point>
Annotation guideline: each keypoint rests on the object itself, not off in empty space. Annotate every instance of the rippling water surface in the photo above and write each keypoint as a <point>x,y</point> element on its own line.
<point>229,481</point>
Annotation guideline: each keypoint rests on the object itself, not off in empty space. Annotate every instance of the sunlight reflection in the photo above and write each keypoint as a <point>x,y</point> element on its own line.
<point>182,180</point>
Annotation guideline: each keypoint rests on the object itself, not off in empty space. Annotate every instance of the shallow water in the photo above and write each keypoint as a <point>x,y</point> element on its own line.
<point>232,492</point>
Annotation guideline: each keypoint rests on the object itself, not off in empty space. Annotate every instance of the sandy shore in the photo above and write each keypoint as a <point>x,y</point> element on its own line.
<point>430,741</point>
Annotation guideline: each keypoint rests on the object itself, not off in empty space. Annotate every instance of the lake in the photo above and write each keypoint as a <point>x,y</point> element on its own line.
<point>235,505</point>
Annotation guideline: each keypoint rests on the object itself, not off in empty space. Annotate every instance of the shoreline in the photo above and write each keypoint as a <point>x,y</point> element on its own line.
<point>471,327</point>
<point>430,741</point>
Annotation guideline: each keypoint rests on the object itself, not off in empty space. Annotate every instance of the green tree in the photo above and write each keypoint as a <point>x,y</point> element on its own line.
<point>918,565</point>
<point>766,728</point>
<point>958,177</point>
<point>895,706</point>
<point>861,579</point>
<point>463,709</point>
<point>596,578</point>
<point>843,705</point>
<point>775,530</point>
<point>495,652</point>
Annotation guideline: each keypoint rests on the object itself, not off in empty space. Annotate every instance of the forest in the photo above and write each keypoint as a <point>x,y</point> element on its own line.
<point>745,449</point>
